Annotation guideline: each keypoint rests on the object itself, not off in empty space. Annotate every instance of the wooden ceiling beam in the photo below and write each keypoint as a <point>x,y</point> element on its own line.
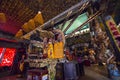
<point>80,11</point>
<point>58,18</point>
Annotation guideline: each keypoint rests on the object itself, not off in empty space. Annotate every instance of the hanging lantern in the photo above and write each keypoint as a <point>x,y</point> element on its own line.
<point>2,18</point>
<point>19,33</point>
<point>38,19</point>
<point>31,24</point>
<point>26,28</point>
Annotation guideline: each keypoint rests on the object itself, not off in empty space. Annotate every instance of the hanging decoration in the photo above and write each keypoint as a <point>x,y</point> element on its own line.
<point>2,18</point>
<point>31,24</point>
<point>19,33</point>
<point>38,19</point>
<point>25,28</point>
<point>99,42</point>
<point>58,49</point>
<point>59,41</point>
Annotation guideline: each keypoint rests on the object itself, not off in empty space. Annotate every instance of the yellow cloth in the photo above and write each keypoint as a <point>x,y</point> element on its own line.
<point>50,51</point>
<point>58,50</point>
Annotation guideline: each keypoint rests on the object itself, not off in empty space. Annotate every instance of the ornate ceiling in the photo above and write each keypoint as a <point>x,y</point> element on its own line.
<point>20,11</point>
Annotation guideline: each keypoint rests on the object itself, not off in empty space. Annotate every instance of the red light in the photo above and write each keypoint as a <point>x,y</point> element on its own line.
<point>8,56</point>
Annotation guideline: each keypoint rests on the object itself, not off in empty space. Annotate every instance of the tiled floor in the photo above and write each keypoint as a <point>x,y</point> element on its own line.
<point>91,73</point>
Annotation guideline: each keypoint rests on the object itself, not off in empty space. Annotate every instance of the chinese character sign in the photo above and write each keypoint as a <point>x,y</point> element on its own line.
<point>113,30</point>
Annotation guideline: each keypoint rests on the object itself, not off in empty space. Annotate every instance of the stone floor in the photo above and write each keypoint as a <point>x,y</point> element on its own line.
<point>94,72</point>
